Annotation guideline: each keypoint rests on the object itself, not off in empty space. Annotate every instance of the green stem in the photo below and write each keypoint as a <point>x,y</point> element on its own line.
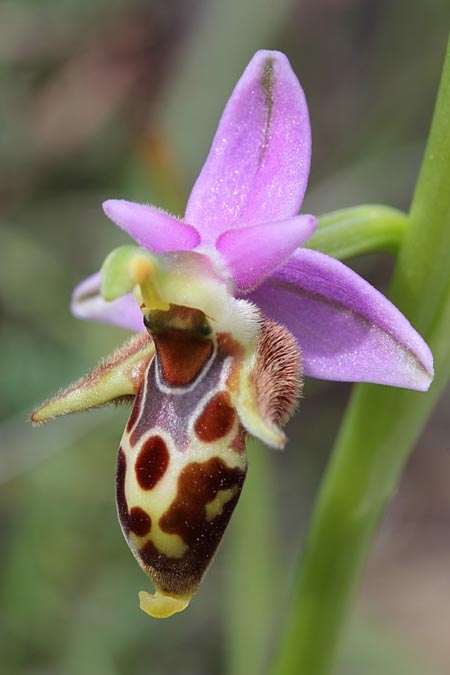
<point>380,427</point>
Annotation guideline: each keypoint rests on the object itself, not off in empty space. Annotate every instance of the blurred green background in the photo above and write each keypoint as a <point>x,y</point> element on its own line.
<point>109,98</point>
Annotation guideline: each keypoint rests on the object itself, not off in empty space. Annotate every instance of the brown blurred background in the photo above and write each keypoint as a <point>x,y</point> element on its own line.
<point>109,98</point>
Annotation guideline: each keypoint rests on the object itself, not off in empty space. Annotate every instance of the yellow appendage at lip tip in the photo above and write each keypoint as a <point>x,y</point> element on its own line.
<point>161,606</point>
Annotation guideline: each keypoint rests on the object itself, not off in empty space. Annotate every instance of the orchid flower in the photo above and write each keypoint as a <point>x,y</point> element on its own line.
<point>230,314</point>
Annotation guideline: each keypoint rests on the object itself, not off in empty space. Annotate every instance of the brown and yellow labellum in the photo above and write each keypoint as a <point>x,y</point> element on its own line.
<point>182,460</point>
<point>181,464</point>
<point>198,388</point>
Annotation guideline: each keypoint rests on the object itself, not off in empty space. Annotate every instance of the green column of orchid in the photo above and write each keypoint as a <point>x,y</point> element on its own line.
<point>380,427</point>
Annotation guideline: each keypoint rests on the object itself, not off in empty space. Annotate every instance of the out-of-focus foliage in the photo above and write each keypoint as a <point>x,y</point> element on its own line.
<point>107,99</point>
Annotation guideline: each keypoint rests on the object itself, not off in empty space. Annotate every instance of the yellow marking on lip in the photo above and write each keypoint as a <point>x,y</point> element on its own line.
<point>170,545</point>
<point>215,507</point>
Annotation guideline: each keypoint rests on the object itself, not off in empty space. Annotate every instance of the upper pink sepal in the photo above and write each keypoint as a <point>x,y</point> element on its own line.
<point>87,303</point>
<point>347,330</point>
<point>151,228</point>
<point>258,165</point>
<point>252,253</point>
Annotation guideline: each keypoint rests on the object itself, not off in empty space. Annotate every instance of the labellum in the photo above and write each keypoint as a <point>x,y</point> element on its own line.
<point>200,383</point>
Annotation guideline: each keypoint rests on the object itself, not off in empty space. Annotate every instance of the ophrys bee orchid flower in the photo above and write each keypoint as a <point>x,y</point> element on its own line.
<point>230,313</point>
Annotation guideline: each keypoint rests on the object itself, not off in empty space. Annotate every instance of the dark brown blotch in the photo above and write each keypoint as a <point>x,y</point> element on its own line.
<point>139,521</point>
<point>181,356</point>
<point>228,345</point>
<point>136,520</point>
<point>216,420</point>
<point>121,500</point>
<point>198,484</point>
<point>152,462</point>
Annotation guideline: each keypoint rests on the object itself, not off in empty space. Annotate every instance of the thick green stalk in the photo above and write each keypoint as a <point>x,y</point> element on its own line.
<point>252,537</point>
<point>380,427</point>
<point>250,606</point>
